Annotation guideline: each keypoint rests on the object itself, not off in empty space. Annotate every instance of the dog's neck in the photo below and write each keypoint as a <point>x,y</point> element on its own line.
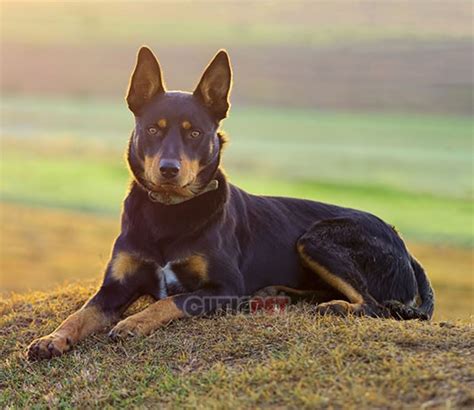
<point>160,226</point>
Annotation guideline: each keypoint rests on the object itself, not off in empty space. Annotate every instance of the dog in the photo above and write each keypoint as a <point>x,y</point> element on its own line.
<point>197,243</point>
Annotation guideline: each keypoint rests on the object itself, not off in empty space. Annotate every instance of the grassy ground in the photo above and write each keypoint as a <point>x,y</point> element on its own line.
<point>292,359</point>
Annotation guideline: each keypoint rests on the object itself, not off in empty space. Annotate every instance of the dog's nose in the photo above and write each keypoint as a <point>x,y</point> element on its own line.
<point>169,168</point>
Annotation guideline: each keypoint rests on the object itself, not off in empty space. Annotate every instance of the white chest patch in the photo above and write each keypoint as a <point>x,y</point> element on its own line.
<point>167,280</point>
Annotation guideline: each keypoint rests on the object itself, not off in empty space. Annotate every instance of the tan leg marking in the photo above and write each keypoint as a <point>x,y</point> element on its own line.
<point>145,322</point>
<point>123,264</point>
<point>75,328</point>
<point>336,282</point>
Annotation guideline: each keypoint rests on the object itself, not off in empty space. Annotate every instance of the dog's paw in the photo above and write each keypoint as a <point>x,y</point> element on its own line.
<point>48,346</point>
<point>337,308</point>
<point>401,311</point>
<point>129,327</point>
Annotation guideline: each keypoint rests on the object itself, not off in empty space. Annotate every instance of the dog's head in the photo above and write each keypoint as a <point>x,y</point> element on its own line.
<point>175,147</point>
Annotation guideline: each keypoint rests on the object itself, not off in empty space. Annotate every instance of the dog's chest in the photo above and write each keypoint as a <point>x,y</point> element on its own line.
<point>169,282</point>
<point>185,275</point>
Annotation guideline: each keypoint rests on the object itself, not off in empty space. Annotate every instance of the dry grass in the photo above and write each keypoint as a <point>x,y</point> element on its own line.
<point>40,248</point>
<point>294,359</point>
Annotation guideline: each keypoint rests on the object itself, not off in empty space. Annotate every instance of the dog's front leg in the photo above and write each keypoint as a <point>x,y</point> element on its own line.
<point>126,278</point>
<point>77,326</point>
<point>160,313</point>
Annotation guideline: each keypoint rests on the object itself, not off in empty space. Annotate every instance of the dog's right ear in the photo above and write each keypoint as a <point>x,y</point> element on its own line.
<point>146,81</point>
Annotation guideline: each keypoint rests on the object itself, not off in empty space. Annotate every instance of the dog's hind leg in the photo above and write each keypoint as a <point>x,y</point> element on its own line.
<point>323,250</point>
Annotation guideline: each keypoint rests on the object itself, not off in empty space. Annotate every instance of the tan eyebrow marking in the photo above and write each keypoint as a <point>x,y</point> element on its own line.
<point>162,123</point>
<point>186,125</point>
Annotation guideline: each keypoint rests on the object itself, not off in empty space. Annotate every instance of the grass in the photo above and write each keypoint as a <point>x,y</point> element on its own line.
<point>292,359</point>
<point>41,248</point>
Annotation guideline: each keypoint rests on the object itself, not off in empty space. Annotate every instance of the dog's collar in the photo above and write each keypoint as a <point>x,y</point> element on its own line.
<point>166,198</point>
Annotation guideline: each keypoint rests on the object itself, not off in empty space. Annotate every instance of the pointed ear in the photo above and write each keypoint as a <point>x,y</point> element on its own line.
<point>215,84</point>
<point>146,80</point>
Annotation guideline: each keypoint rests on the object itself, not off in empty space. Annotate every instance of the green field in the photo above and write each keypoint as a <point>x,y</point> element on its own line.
<point>414,171</point>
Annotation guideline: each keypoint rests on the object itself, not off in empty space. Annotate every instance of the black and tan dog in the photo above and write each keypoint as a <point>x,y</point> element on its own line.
<point>196,242</point>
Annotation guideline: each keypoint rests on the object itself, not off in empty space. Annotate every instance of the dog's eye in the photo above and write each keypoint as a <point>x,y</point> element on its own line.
<point>194,134</point>
<point>152,130</point>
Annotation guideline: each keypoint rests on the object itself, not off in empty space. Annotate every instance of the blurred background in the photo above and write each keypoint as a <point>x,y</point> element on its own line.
<point>372,99</point>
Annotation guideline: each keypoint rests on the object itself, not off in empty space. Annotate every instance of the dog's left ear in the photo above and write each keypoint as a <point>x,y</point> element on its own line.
<point>215,84</point>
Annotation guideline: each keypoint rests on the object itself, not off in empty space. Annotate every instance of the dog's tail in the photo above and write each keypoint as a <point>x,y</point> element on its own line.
<point>425,310</point>
<point>425,289</point>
